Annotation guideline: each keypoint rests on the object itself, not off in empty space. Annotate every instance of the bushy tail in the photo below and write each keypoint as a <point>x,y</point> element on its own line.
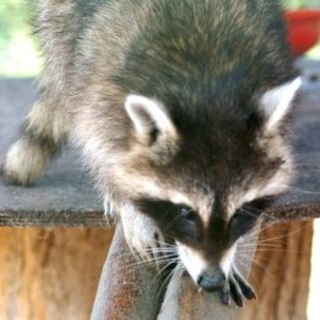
<point>43,132</point>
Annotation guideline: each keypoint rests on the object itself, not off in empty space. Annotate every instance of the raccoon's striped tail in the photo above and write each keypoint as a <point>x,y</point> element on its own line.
<point>43,132</point>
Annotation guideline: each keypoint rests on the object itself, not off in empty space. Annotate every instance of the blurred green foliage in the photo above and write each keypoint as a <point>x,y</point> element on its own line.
<point>301,3</point>
<point>18,52</point>
<point>19,55</point>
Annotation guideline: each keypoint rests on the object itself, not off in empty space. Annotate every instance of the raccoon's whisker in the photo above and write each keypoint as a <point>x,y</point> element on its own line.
<point>166,256</point>
<point>253,277</point>
<point>162,272</point>
<point>255,262</point>
<point>245,256</point>
<point>280,237</point>
<point>247,208</point>
<point>259,246</point>
<point>240,262</point>
<point>263,214</point>
<point>165,244</point>
<point>255,233</point>
<point>272,220</point>
<point>277,249</point>
<point>252,241</point>
<point>131,252</point>
<point>140,260</point>
<point>166,280</point>
<point>257,249</point>
<point>289,252</point>
<point>268,264</point>
<point>271,224</point>
<point>268,250</point>
<point>149,261</point>
<point>173,260</point>
<point>269,245</point>
<point>180,266</point>
<point>254,211</point>
<point>161,249</point>
<point>163,258</point>
<point>259,264</point>
<point>146,250</point>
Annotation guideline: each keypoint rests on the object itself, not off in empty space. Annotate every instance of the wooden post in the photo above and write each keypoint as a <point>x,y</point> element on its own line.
<point>127,290</point>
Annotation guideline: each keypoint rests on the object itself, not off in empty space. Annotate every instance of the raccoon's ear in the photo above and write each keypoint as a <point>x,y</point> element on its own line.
<point>276,103</point>
<point>150,119</point>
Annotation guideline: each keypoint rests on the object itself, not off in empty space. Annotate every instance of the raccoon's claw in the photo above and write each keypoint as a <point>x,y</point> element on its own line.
<point>237,288</point>
<point>225,296</point>
<point>246,288</point>
<point>236,292</point>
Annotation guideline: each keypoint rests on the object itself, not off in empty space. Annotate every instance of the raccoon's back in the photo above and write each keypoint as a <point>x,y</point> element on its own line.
<point>188,45</point>
<point>187,51</point>
<point>162,37</point>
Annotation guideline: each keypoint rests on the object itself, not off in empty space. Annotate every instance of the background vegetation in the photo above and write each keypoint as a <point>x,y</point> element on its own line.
<point>19,55</point>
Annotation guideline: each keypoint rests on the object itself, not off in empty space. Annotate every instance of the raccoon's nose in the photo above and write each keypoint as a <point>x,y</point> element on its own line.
<point>212,283</point>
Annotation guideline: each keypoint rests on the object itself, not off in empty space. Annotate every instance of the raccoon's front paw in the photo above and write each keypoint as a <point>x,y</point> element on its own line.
<point>237,289</point>
<point>143,237</point>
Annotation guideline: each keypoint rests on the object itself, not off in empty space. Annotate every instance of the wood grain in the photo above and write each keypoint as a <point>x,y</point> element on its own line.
<point>281,272</point>
<point>50,274</point>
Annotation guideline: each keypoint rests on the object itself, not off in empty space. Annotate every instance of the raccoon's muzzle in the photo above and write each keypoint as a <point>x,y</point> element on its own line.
<point>212,282</point>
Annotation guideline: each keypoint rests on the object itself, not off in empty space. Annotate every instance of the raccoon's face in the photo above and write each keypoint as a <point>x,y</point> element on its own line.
<point>205,182</point>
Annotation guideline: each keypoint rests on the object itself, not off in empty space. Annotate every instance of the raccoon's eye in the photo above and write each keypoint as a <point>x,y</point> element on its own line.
<point>187,213</point>
<point>162,210</point>
<point>241,223</point>
<point>246,217</point>
<point>176,221</point>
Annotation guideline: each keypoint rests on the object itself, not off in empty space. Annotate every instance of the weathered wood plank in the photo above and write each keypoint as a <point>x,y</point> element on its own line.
<point>64,196</point>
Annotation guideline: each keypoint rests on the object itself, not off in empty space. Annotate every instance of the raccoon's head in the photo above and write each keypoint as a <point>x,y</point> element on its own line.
<point>205,176</point>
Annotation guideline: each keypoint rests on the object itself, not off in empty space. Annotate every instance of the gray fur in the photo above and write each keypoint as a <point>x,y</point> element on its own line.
<point>207,63</point>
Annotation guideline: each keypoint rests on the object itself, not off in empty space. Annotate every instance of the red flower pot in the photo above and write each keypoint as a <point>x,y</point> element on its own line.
<point>303,28</point>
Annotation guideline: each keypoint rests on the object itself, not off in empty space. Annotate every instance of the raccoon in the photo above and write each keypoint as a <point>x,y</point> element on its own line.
<point>182,112</point>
